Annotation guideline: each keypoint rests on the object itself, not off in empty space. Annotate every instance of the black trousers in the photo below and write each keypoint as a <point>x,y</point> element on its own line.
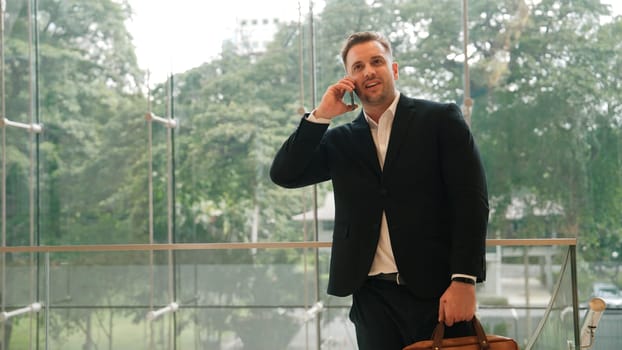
<point>388,316</point>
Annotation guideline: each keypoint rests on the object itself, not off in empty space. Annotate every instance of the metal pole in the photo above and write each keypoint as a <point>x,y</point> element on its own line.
<point>468,102</point>
<point>37,198</point>
<point>171,214</point>
<point>3,180</point>
<point>150,189</point>
<point>315,219</point>
<point>47,300</point>
<point>575,297</point>
<point>301,110</point>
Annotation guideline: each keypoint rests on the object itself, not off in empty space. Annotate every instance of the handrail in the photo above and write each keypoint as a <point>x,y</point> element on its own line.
<point>245,245</point>
<point>532,242</point>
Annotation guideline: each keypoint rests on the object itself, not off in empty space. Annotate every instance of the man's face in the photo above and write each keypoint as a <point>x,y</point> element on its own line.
<point>374,72</point>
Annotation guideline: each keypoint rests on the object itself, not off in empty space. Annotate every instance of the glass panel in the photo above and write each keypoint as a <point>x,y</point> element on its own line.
<point>556,330</point>
<point>234,107</point>
<point>17,102</point>
<point>109,328</point>
<point>527,161</point>
<point>241,277</point>
<point>547,120</point>
<point>94,169</point>
<point>18,55</point>
<point>265,327</point>
<point>20,276</point>
<point>17,294</point>
<point>100,279</point>
<point>519,284</point>
<point>536,124</point>
<point>18,182</point>
<point>102,298</point>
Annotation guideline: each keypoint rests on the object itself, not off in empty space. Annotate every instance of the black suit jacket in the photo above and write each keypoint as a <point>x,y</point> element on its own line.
<point>432,189</point>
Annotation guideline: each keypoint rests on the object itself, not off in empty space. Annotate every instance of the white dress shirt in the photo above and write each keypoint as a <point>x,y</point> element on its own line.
<point>384,261</point>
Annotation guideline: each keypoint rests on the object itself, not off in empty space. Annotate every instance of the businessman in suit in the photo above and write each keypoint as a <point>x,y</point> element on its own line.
<point>411,203</point>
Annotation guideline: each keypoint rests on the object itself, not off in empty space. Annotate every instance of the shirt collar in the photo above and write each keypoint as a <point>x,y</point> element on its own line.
<point>391,110</point>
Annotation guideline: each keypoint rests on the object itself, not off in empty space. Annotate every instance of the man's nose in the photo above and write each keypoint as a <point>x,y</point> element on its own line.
<point>369,73</point>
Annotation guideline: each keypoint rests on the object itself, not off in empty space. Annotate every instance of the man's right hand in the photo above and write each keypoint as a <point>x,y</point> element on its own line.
<point>332,103</point>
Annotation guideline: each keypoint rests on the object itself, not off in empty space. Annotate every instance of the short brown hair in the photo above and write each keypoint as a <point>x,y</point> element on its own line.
<point>363,37</point>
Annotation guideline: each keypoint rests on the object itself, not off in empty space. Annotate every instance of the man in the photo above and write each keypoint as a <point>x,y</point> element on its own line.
<point>411,206</point>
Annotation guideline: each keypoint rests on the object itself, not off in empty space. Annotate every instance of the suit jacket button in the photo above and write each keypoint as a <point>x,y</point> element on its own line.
<point>383,192</point>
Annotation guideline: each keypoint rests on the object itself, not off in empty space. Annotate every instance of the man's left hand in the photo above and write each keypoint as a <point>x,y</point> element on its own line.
<point>457,303</point>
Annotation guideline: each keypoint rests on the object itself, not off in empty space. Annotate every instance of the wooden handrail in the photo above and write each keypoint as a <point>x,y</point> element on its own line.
<point>245,245</point>
<point>532,242</point>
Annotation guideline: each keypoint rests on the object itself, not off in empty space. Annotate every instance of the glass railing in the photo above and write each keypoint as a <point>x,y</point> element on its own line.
<point>248,296</point>
<point>559,327</point>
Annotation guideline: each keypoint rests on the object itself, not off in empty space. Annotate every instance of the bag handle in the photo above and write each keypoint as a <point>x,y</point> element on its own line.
<point>439,333</point>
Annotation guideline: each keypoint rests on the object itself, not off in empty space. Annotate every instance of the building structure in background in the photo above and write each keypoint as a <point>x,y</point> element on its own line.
<point>251,35</point>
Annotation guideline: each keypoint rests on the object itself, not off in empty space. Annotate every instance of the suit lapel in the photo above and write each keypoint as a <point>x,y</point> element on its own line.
<point>364,144</point>
<point>404,116</point>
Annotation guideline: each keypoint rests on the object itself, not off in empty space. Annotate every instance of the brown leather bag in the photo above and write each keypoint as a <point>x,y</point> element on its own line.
<point>480,341</point>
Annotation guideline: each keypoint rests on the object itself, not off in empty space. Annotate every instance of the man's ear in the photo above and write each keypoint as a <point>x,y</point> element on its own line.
<point>394,67</point>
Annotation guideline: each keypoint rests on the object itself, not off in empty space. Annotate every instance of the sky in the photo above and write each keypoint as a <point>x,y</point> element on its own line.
<point>176,35</point>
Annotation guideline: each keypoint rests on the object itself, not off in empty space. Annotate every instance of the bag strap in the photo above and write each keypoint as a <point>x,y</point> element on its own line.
<point>481,334</point>
<point>439,333</point>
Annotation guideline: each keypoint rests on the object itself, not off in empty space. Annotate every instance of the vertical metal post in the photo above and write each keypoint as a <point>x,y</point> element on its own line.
<point>3,180</point>
<point>301,111</point>
<point>151,235</point>
<point>173,306</point>
<point>36,198</point>
<point>575,297</point>
<point>468,102</point>
<point>2,116</point>
<point>33,177</point>
<point>315,218</point>
<point>47,300</point>
<point>171,212</point>
<point>526,289</point>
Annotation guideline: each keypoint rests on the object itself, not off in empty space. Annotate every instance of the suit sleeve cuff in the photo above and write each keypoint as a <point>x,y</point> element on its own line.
<point>312,118</point>
<point>464,276</point>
